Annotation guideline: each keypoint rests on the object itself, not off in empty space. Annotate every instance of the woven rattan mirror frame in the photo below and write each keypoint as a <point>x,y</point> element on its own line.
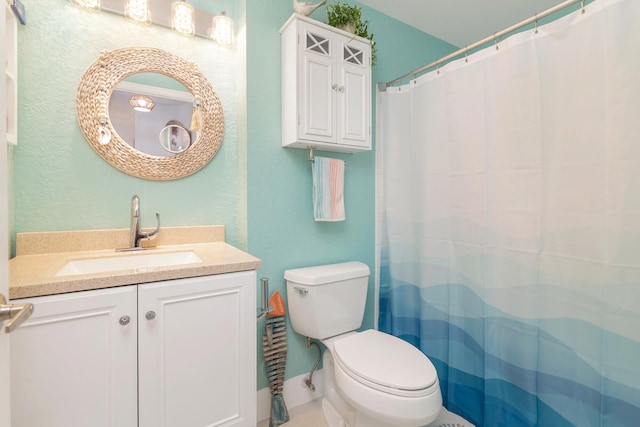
<point>99,81</point>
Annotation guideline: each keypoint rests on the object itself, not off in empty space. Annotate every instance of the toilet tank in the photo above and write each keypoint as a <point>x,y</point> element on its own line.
<point>327,300</point>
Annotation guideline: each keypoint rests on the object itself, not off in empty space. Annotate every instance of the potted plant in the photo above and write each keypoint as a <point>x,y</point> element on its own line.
<point>349,18</point>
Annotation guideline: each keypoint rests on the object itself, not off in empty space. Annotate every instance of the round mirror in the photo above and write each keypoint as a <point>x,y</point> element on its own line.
<point>147,75</point>
<point>175,138</point>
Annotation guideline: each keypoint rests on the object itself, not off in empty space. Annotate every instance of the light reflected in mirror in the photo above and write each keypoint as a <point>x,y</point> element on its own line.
<point>146,131</point>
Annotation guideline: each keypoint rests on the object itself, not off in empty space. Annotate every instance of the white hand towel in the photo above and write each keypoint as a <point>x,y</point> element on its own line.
<point>328,189</point>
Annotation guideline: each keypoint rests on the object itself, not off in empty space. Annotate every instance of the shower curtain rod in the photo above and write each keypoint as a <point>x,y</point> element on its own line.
<point>383,86</point>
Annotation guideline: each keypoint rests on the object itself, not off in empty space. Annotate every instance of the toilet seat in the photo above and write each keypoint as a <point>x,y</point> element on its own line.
<point>385,363</point>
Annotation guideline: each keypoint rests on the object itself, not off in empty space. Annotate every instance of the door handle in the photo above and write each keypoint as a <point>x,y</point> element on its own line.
<point>15,313</point>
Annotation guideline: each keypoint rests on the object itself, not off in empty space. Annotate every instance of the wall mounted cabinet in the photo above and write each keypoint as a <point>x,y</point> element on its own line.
<point>326,87</point>
<point>179,352</point>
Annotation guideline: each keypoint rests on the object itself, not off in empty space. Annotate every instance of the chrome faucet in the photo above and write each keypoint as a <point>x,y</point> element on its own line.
<point>136,235</point>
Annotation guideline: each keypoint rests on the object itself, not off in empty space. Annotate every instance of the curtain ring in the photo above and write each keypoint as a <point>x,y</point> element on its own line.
<point>582,5</point>
<point>466,54</point>
<point>495,41</point>
<point>536,27</point>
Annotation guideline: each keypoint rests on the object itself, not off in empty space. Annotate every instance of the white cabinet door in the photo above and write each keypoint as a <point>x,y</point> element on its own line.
<point>197,347</point>
<point>73,362</point>
<point>316,78</point>
<point>354,90</point>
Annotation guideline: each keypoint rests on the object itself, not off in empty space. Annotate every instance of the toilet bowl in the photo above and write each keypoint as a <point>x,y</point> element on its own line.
<point>384,378</point>
<point>371,379</point>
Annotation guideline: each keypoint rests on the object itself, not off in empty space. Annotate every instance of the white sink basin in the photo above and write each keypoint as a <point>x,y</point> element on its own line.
<point>130,261</point>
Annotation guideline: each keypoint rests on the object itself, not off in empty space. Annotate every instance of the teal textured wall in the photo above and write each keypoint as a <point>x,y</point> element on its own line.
<point>260,191</point>
<point>60,183</point>
<point>282,231</point>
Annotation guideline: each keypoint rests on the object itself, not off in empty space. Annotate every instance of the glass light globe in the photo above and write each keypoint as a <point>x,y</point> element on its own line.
<point>182,18</point>
<point>221,30</point>
<point>138,11</point>
<point>92,5</point>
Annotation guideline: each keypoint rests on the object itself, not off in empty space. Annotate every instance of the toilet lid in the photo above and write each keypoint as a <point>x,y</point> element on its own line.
<point>385,360</point>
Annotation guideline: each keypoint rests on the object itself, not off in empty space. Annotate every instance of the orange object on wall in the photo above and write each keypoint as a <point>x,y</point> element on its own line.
<point>277,302</point>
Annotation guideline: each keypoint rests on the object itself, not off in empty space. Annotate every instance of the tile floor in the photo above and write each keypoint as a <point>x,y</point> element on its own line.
<point>307,415</point>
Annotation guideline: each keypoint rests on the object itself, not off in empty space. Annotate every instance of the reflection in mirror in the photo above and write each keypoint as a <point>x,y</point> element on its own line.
<point>140,129</point>
<point>175,138</point>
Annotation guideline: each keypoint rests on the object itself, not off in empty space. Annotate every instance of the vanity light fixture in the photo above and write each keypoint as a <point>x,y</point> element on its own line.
<point>178,15</point>
<point>141,103</point>
<point>138,11</point>
<point>183,18</point>
<point>221,30</point>
<point>91,5</point>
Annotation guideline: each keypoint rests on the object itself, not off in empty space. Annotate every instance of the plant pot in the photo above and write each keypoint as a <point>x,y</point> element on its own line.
<point>349,28</point>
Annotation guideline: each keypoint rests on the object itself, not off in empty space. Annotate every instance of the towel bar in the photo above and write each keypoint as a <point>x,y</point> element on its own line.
<point>311,158</point>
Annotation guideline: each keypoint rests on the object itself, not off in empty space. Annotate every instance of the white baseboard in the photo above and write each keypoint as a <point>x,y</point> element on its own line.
<point>295,393</point>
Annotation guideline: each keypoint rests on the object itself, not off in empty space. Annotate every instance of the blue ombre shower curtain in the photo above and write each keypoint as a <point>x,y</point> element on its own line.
<point>508,200</point>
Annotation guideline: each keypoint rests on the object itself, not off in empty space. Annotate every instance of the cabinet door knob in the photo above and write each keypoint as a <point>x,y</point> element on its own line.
<point>150,315</point>
<point>341,89</point>
<point>124,320</point>
<point>334,86</point>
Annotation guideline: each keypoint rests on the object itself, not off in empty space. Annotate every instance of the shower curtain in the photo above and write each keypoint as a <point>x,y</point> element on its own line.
<point>508,200</point>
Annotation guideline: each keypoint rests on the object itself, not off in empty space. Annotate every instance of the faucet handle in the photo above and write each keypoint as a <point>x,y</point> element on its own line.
<point>150,235</point>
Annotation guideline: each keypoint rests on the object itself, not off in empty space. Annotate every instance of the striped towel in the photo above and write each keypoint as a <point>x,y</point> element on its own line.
<point>328,189</point>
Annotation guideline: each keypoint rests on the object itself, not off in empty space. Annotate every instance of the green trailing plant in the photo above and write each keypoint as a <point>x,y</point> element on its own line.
<point>343,15</point>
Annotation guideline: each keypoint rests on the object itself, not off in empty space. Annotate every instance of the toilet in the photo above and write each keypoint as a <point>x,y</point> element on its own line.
<point>371,379</point>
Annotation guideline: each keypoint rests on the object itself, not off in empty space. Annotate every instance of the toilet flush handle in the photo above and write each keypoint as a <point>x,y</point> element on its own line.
<point>301,291</point>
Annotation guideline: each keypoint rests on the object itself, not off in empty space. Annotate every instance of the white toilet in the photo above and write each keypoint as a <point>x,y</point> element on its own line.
<point>371,379</point>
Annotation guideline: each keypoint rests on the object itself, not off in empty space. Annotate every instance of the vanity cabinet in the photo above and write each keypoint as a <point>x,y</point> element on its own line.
<point>173,353</point>
<point>326,87</point>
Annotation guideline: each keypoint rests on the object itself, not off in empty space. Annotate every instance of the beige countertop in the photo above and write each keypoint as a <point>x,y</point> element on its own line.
<point>33,271</point>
